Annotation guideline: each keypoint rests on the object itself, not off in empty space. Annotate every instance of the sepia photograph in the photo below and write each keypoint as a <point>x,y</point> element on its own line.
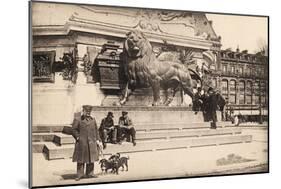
<point>122,94</point>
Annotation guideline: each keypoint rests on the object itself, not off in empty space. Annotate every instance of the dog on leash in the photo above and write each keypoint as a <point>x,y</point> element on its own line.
<point>122,161</point>
<point>107,165</point>
<point>114,163</point>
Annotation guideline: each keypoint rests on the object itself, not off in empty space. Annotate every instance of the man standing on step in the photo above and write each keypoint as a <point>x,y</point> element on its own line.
<point>126,128</point>
<point>87,138</point>
<point>212,105</point>
<point>198,100</point>
<point>107,130</point>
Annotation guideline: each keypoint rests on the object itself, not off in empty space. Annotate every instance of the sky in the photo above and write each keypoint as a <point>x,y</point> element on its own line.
<point>245,32</point>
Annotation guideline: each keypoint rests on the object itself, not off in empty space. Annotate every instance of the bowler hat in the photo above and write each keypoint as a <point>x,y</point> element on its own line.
<point>87,107</point>
<point>110,114</point>
<point>210,89</point>
<point>124,112</point>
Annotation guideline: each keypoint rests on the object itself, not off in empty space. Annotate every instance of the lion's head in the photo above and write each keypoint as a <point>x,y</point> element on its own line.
<point>136,44</point>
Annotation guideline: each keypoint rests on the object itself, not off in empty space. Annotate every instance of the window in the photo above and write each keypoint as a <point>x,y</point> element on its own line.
<point>248,70</point>
<point>42,63</point>
<point>232,70</point>
<point>254,71</point>
<point>232,92</point>
<point>256,92</point>
<point>224,68</point>
<point>242,92</point>
<point>248,91</point>
<point>263,92</point>
<point>241,70</point>
<point>262,72</point>
<point>224,84</point>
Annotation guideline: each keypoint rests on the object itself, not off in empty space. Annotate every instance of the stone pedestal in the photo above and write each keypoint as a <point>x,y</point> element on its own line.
<point>85,93</point>
<point>111,100</point>
<point>56,103</point>
<point>144,97</point>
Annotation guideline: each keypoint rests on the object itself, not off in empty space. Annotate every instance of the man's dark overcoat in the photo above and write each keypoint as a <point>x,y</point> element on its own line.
<point>212,106</point>
<point>86,150</point>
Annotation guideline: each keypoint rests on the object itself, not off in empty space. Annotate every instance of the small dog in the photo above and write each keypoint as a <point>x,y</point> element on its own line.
<point>114,163</point>
<point>122,161</point>
<point>108,164</point>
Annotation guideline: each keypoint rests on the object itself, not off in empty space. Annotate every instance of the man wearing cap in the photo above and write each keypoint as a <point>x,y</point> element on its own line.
<point>107,129</point>
<point>87,138</point>
<point>126,127</point>
<point>212,106</point>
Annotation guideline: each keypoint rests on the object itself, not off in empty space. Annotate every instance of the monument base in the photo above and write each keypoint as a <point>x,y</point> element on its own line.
<point>144,97</point>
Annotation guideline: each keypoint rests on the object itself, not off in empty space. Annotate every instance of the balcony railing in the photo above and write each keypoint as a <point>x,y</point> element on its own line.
<point>245,74</point>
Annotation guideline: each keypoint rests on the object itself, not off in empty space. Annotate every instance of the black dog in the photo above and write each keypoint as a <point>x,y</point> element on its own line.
<point>108,164</point>
<point>121,161</point>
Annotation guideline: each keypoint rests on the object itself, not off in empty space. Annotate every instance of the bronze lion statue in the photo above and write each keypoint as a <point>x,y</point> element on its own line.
<point>144,70</point>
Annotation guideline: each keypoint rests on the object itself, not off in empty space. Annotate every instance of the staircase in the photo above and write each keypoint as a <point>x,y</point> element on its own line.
<point>150,137</point>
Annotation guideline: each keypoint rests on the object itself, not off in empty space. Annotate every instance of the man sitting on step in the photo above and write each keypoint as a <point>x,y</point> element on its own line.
<point>126,129</point>
<point>107,130</point>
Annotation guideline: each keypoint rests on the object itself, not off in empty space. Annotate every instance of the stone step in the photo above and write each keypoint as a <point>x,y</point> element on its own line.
<point>155,135</point>
<point>40,137</point>
<point>177,126</point>
<point>53,151</point>
<point>47,128</point>
<point>139,126</point>
<point>58,138</point>
<point>37,147</point>
<point>62,139</point>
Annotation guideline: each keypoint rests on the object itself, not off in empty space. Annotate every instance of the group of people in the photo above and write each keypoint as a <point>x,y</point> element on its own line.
<point>209,102</point>
<point>117,133</point>
<point>90,139</point>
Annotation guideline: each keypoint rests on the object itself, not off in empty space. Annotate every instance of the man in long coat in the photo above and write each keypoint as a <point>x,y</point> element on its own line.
<point>212,107</point>
<point>87,138</point>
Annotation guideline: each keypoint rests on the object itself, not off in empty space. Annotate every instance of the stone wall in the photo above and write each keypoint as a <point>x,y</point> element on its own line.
<point>56,103</point>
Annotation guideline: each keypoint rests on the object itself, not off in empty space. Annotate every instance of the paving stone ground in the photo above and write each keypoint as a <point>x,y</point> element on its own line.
<point>163,164</point>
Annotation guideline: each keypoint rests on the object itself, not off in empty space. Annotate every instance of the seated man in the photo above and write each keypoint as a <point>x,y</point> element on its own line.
<point>126,128</point>
<point>107,129</point>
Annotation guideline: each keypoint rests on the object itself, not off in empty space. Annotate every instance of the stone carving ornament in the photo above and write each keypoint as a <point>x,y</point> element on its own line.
<point>152,20</point>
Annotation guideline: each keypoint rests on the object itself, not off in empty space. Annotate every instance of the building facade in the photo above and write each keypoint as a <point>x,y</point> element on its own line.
<point>243,80</point>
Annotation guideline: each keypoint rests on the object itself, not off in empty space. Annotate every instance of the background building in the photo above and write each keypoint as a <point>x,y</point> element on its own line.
<point>243,80</point>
